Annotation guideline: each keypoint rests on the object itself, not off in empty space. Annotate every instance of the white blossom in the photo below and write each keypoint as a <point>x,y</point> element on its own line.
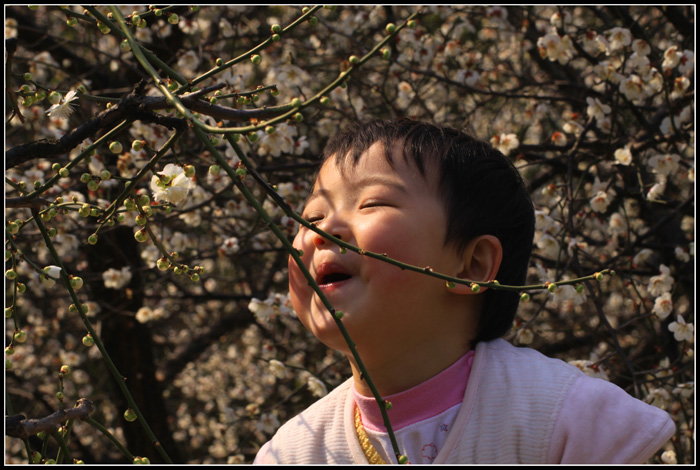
<point>619,38</point>
<point>117,278</point>
<point>268,423</point>
<point>318,388</point>
<point>600,202</point>
<point>505,143</point>
<point>656,191</point>
<point>661,283</point>
<point>63,109</point>
<point>663,305</point>
<point>664,164</point>
<point>623,156</point>
<point>171,185</point>
<point>596,108</point>
<point>681,330</point>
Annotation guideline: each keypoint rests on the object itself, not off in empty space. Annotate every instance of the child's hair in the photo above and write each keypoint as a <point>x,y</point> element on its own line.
<point>482,190</point>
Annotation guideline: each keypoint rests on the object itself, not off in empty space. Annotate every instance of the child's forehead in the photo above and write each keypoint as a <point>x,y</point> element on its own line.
<point>362,159</point>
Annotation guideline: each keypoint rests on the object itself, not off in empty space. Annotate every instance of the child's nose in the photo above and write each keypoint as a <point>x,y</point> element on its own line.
<point>319,241</point>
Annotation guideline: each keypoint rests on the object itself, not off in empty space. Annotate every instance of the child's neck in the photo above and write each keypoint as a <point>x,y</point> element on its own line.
<point>406,370</point>
<point>428,399</point>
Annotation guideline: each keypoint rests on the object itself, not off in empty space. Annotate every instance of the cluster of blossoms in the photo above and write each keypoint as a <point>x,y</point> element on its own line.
<point>598,120</point>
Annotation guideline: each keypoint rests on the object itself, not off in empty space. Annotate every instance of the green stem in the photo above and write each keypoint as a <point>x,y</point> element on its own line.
<point>108,360</point>
<point>131,185</point>
<point>51,181</point>
<point>246,55</point>
<point>295,255</point>
<point>110,436</point>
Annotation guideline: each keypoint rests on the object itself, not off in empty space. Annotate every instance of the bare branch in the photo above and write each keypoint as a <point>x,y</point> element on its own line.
<point>21,427</point>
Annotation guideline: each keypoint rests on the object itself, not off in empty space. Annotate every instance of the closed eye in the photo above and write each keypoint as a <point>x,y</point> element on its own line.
<point>373,203</point>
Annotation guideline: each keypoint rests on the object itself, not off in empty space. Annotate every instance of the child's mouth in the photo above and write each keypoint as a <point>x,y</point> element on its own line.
<point>331,274</point>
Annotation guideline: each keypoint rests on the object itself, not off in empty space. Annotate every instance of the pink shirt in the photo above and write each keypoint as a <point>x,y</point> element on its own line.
<point>421,417</point>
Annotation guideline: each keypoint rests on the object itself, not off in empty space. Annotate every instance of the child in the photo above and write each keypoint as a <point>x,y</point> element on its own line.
<point>432,196</point>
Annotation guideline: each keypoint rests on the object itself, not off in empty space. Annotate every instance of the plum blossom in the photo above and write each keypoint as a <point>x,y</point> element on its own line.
<point>505,143</point>
<point>682,254</point>
<point>281,141</point>
<point>229,246</point>
<point>681,330</point>
<point>189,61</point>
<point>661,283</point>
<point>468,77</point>
<point>549,245</point>
<point>262,309</point>
<point>633,87</point>
<point>687,62</point>
<point>117,278</point>
<point>600,202</point>
<point>672,57</point>
<point>658,397</point>
<point>596,109</point>
<point>623,156</point>
<point>318,388</point>
<point>268,423</point>
<point>146,314</point>
<point>277,368</point>
<point>590,368</point>
<point>619,38</point>
<point>171,185</point>
<point>656,191</point>
<point>555,48</point>
<point>663,305</point>
<point>641,47</point>
<point>664,164</point>
<point>63,109</point>
<point>53,272</point>
<point>669,457</point>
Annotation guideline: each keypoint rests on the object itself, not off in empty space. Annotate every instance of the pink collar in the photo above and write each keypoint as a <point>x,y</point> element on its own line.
<point>421,402</point>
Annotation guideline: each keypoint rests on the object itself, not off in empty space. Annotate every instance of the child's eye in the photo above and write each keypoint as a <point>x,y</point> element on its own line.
<point>312,218</point>
<point>373,203</point>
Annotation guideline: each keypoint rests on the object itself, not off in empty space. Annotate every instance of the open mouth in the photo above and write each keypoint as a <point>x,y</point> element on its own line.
<point>329,273</point>
<point>333,278</point>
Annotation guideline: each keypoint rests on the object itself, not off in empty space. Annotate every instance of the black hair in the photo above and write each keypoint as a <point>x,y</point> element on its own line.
<point>483,193</point>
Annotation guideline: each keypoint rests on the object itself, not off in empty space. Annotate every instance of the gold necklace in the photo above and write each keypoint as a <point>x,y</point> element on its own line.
<point>371,453</point>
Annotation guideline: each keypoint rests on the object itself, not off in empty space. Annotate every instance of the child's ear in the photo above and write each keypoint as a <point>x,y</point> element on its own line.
<point>481,259</point>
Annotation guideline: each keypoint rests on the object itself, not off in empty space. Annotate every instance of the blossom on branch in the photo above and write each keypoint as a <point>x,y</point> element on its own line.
<point>64,108</point>
<point>117,278</point>
<point>681,330</point>
<point>171,185</point>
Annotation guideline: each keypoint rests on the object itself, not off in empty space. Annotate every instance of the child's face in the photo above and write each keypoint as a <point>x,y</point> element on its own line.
<point>378,208</point>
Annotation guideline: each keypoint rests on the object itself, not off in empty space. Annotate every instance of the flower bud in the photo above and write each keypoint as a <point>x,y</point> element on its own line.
<point>20,336</point>
<point>115,147</point>
<point>141,236</point>
<point>475,287</point>
<point>256,59</point>
<point>391,28</point>
<point>130,415</point>
<point>88,340</point>
<point>55,97</point>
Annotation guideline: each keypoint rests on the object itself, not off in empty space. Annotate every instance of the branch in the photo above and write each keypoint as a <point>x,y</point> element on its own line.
<point>23,428</point>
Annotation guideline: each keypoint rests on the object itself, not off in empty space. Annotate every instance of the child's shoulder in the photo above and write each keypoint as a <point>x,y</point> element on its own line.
<point>313,435</point>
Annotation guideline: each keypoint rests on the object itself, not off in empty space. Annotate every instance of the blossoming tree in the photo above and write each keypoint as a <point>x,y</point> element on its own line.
<point>156,160</point>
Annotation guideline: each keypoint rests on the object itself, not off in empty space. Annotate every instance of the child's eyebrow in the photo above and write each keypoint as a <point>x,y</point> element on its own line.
<point>370,180</point>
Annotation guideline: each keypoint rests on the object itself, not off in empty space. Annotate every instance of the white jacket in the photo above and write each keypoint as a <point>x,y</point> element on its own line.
<point>519,407</point>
